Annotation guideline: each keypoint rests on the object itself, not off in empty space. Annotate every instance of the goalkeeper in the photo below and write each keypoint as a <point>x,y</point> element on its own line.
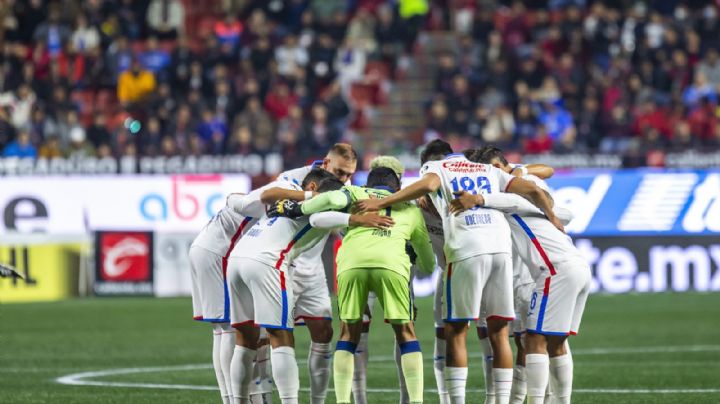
<point>374,260</point>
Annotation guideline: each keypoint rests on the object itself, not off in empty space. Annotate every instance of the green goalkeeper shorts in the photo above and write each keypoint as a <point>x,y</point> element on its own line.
<point>392,291</point>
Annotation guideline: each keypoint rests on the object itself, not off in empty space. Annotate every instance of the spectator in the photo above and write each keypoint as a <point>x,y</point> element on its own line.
<point>20,147</point>
<point>154,58</point>
<point>135,85</point>
<point>682,137</point>
<point>180,60</point>
<point>85,38</point>
<point>50,148</point>
<point>651,116</point>
<point>499,127</point>
<point>317,133</point>
<point>21,105</point>
<point>228,31</point>
<point>53,33</point>
<point>257,120</point>
<point>166,18</point>
<point>555,120</point>
<point>150,138</point>
<point>710,68</point>
<point>700,88</point>
<point>540,143</point>
<point>79,147</point>
<point>291,57</point>
<point>118,58</point>
<point>212,131</point>
<point>279,101</point>
<point>98,133</point>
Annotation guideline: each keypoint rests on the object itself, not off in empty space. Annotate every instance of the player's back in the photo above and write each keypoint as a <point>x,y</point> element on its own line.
<point>478,230</point>
<point>222,231</point>
<point>433,223</point>
<point>365,247</point>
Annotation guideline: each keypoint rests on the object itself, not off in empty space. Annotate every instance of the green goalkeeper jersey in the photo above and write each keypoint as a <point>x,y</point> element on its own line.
<point>370,248</point>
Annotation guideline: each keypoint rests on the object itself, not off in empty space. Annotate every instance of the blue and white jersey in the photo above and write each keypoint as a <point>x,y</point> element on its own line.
<point>297,175</point>
<point>478,230</point>
<point>223,231</point>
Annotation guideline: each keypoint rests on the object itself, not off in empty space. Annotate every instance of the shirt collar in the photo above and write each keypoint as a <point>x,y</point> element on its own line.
<point>454,155</point>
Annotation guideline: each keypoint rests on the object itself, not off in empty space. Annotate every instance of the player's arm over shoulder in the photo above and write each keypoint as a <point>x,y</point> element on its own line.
<point>420,240</point>
<point>333,200</point>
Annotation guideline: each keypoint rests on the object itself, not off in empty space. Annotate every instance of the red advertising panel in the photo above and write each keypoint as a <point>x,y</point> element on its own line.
<point>124,263</point>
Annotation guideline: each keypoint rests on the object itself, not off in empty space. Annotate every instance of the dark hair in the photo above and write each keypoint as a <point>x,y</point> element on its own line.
<point>473,155</point>
<point>329,184</point>
<point>383,176</point>
<point>316,175</point>
<point>435,150</point>
<point>490,153</point>
<point>344,150</point>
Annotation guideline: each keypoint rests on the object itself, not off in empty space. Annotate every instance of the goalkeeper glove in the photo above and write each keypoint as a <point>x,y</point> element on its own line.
<point>285,208</point>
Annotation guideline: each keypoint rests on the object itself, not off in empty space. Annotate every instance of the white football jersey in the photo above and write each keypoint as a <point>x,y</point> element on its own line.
<point>308,262</point>
<point>478,230</point>
<point>221,233</point>
<point>538,242</point>
<point>277,241</point>
<point>434,227</point>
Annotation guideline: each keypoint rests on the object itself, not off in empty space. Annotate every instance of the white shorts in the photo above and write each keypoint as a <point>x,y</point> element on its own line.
<point>558,301</point>
<point>259,295</point>
<point>312,298</point>
<point>210,298</point>
<point>483,281</point>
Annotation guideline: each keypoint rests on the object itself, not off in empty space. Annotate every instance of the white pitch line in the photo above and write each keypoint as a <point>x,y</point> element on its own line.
<point>81,379</point>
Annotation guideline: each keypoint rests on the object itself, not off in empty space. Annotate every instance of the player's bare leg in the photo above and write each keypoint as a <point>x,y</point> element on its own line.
<point>321,334</point>
<point>456,360</point>
<point>241,366</point>
<point>502,359</point>
<point>284,365</point>
<point>411,360</point>
<point>439,365</point>
<point>487,365</point>
<point>519,387</point>
<point>344,361</point>
<point>261,386</point>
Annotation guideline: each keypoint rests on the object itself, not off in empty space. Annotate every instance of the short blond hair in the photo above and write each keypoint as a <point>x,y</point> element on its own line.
<point>390,162</point>
<point>343,150</point>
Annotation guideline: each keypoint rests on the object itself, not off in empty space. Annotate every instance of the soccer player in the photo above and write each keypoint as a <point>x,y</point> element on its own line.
<point>313,307</point>
<point>562,279</point>
<point>208,256</point>
<point>477,249</point>
<point>375,260</point>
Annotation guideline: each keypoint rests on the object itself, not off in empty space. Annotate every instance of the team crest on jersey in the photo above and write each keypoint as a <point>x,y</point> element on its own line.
<point>463,166</point>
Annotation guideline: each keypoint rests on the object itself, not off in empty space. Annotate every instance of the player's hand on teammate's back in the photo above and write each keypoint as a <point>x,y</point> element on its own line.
<point>556,222</point>
<point>285,208</point>
<point>367,205</point>
<point>372,220</point>
<point>464,201</point>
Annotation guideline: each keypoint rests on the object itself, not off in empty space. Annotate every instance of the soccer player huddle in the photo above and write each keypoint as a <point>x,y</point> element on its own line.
<point>492,227</point>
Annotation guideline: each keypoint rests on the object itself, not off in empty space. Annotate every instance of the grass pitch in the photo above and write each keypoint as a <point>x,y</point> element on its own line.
<point>650,348</point>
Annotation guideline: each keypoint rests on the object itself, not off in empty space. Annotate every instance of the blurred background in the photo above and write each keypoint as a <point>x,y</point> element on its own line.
<point>124,123</point>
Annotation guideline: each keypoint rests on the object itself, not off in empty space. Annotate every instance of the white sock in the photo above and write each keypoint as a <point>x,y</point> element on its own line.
<point>519,386</point>
<point>439,367</point>
<point>227,346</point>
<point>537,368</point>
<point>285,373</point>
<point>225,389</point>
<point>241,370</point>
<point>261,386</point>
<point>404,397</point>
<point>359,386</point>
<point>319,368</point>
<point>488,370</point>
<point>503,383</point>
<point>561,378</point>
<point>455,380</point>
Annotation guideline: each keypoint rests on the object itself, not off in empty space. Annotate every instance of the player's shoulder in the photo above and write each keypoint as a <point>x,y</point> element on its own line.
<point>538,181</point>
<point>295,175</point>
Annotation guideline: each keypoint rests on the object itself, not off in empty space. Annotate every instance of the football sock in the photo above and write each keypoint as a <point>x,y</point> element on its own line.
<point>537,368</point>
<point>503,383</point>
<point>225,389</point>
<point>455,380</point>
<point>488,370</point>
<point>561,378</point>
<point>241,370</point>
<point>261,386</point>
<point>227,346</point>
<point>412,369</point>
<point>519,386</point>
<point>439,367</point>
<point>343,369</point>
<point>359,381</point>
<point>285,374</point>
<point>404,398</point>
<point>319,367</point>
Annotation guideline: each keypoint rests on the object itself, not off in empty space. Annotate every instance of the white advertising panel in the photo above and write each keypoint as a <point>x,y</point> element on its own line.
<point>76,205</point>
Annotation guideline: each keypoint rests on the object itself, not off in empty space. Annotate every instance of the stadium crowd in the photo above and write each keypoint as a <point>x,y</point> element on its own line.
<point>169,77</point>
